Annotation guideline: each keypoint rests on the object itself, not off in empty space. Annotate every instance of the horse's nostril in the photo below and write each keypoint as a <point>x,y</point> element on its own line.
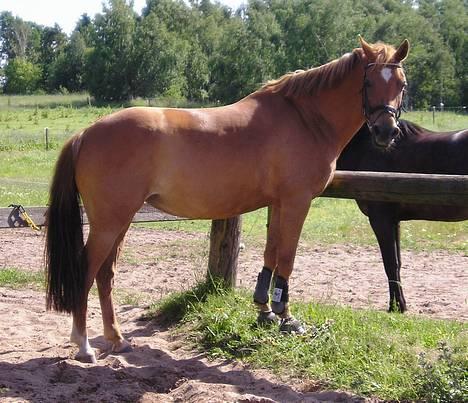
<point>395,133</point>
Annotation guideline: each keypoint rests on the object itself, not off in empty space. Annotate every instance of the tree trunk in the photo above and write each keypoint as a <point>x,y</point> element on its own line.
<point>224,249</point>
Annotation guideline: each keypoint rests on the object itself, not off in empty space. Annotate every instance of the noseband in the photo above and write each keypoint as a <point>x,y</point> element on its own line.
<point>367,109</point>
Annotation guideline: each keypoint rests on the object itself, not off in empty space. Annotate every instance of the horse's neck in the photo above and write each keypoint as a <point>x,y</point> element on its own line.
<point>338,111</point>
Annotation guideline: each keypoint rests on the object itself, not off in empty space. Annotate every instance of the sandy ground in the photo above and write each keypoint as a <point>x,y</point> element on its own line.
<point>36,359</point>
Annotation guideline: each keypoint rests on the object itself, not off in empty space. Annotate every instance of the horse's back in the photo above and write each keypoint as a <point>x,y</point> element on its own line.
<point>200,163</point>
<point>433,153</point>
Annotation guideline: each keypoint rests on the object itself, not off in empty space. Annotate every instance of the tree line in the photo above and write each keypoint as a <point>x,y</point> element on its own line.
<point>204,51</point>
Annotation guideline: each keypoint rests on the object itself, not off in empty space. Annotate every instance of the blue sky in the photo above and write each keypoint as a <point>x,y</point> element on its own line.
<point>67,12</point>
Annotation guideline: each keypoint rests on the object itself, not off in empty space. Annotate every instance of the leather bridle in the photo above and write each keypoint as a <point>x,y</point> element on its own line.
<point>367,109</point>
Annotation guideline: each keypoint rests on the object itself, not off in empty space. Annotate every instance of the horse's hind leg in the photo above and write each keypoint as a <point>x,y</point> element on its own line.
<point>104,280</point>
<point>98,247</point>
<point>386,229</point>
<point>399,296</point>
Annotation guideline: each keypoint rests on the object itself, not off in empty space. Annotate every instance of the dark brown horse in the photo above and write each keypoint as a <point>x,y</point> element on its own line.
<point>277,147</point>
<point>415,150</point>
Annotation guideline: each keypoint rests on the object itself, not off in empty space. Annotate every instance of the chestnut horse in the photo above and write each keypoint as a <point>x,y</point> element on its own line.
<point>277,147</point>
<point>415,150</point>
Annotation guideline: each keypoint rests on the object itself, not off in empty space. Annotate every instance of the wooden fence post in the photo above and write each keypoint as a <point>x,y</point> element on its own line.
<point>46,130</point>
<point>224,249</point>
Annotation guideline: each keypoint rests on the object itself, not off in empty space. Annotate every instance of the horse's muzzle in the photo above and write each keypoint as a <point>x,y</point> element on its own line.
<point>384,136</point>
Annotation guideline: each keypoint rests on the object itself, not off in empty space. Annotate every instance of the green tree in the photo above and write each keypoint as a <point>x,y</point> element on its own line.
<point>14,34</point>
<point>430,67</point>
<point>19,38</point>
<point>53,40</point>
<point>21,76</point>
<point>450,19</point>
<point>176,15</point>
<point>110,66</point>
<point>197,74</point>
<point>86,29</point>
<point>160,57</point>
<point>67,70</point>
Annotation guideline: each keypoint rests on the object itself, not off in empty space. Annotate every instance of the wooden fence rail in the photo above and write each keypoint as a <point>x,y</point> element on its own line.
<point>377,186</point>
<point>446,190</point>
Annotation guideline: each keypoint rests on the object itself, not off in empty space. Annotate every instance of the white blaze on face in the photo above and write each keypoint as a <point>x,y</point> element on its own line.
<point>386,74</point>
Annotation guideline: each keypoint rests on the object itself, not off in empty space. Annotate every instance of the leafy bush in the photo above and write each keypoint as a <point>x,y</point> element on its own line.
<point>446,379</point>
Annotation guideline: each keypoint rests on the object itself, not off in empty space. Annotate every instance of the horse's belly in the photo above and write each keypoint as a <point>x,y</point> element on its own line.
<point>432,213</point>
<point>209,200</point>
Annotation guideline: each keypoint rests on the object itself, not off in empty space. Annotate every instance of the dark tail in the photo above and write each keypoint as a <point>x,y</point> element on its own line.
<point>65,259</point>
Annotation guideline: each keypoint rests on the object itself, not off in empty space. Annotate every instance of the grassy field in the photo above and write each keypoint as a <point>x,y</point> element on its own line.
<point>369,353</point>
<point>26,168</point>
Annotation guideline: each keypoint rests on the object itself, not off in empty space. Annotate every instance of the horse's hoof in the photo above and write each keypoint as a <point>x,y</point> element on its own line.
<point>266,318</point>
<point>87,358</point>
<point>122,346</point>
<point>291,325</point>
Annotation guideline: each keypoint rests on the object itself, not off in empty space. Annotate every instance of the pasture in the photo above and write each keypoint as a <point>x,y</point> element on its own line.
<point>338,265</point>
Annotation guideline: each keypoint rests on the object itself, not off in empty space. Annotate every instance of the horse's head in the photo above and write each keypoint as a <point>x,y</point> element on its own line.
<point>383,88</point>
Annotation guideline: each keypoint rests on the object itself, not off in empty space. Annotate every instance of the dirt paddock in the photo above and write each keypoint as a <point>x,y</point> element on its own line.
<point>35,362</point>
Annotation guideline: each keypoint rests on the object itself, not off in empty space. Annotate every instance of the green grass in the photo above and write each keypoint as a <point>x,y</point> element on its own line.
<point>24,129</point>
<point>441,121</point>
<point>43,101</point>
<point>25,176</point>
<point>338,221</point>
<point>15,278</point>
<point>370,353</point>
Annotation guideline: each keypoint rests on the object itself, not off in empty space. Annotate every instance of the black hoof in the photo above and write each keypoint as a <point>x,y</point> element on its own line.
<point>266,318</point>
<point>291,325</point>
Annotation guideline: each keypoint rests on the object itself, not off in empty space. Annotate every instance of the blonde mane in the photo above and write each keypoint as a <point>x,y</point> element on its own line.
<point>307,82</point>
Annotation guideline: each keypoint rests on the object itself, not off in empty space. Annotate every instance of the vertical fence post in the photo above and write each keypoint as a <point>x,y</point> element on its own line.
<point>433,114</point>
<point>224,249</point>
<point>46,130</point>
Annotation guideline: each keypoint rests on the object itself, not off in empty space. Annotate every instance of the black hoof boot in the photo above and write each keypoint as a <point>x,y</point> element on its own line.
<point>263,286</point>
<point>292,326</point>
<point>267,318</point>
<point>280,297</point>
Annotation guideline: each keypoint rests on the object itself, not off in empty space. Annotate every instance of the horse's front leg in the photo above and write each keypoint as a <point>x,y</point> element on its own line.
<point>283,237</point>
<point>262,288</point>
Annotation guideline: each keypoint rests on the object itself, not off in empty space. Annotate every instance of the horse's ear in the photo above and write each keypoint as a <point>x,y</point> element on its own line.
<point>368,51</point>
<point>402,52</point>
